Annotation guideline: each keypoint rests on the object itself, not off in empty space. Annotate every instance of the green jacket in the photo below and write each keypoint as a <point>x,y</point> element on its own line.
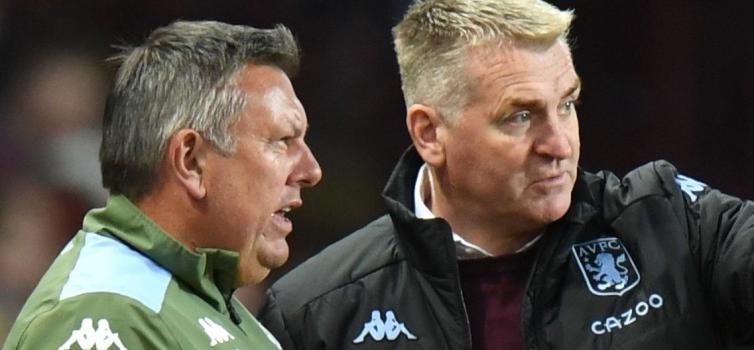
<point>123,283</point>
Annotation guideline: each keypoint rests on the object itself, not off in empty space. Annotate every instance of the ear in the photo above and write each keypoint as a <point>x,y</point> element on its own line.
<point>426,129</point>
<point>187,158</point>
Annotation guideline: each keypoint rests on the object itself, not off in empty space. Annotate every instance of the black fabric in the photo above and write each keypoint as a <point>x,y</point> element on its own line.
<point>682,256</point>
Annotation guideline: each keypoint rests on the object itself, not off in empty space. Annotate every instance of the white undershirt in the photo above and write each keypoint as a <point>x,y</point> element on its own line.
<point>464,248</point>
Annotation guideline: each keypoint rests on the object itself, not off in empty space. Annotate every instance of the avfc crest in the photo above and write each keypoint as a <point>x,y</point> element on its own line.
<point>606,266</point>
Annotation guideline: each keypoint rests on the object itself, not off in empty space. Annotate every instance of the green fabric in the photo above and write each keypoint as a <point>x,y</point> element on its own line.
<point>194,312</point>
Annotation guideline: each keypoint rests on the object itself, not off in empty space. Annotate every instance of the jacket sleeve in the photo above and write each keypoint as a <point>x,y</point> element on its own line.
<point>721,229</point>
<point>272,318</point>
<point>95,321</point>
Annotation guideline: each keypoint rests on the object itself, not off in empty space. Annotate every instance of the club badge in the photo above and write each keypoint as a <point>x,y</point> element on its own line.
<point>606,266</point>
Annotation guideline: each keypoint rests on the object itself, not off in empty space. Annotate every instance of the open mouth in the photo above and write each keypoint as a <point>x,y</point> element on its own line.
<point>281,219</point>
<point>283,212</point>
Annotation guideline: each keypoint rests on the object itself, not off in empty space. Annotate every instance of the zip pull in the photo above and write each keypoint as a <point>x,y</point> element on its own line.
<point>232,311</point>
<point>233,314</point>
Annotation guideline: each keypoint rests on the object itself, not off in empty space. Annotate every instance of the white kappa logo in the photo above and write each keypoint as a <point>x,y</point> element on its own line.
<point>216,333</point>
<point>89,338</point>
<point>606,266</point>
<point>379,330</point>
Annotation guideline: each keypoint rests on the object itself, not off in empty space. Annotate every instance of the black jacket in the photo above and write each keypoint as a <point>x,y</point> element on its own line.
<point>653,261</point>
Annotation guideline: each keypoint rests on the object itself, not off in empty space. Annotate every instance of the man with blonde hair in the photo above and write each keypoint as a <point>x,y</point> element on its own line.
<point>495,239</point>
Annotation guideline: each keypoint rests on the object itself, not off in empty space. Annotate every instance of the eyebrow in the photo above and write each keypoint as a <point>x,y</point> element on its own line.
<point>522,102</point>
<point>574,88</point>
<point>298,127</point>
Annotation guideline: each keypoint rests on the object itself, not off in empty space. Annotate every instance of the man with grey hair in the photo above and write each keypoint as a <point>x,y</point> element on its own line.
<point>203,153</point>
<point>495,239</point>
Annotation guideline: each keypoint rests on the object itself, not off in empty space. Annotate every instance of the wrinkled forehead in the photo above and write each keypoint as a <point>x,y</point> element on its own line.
<point>520,53</point>
<point>270,88</point>
<point>283,103</point>
<point>278,97</point>
<point>499,67</point>
<point>271,103</point>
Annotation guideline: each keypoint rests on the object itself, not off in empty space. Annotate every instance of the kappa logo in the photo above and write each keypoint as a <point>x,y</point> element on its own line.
<point>216,333</point>
<point>690,186</point>
<point>389,329</point>
<point>89,338</point>
<point>606,266</point>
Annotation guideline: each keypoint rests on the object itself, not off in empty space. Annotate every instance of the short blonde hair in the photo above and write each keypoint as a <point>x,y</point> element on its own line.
<point>434,36</point>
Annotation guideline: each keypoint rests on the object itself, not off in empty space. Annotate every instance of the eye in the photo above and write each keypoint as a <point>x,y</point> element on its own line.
<point>569,106</point>
<point>284,142</point>
<point>519,118</point>
<point>516,123</point>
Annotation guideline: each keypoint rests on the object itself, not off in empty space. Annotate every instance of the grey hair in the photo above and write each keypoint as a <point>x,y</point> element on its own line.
<point>434,37</point>
<point>183,76</point>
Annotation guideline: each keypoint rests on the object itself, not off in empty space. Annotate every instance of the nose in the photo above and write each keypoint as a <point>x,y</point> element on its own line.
<point>307,172</point>
<point>554,140</point>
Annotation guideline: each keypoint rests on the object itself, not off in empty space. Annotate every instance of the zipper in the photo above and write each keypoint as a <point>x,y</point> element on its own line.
<point>548,245</point>
<point>463,308</point>
<point>231,310</point>
<point>527,321</point>
<point>461,300</point>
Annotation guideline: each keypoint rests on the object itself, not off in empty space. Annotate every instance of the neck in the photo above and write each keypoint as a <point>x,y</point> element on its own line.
<point>163,207</point>
<point>496,234</point>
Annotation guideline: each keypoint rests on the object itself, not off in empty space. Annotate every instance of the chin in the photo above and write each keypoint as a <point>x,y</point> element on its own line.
<point>250,275</point>
<point>275,263</point>
<point>275,257</point>
<point>254,269</point>
<point>560,210</point>
<point>554,209</point>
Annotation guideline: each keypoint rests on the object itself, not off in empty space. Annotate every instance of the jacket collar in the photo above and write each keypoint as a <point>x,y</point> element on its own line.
<point>210,273</point>
<point>429,243</point>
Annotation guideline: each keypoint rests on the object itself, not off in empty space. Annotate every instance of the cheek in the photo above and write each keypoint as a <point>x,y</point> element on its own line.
<point>250,243</point>
<point>261,183</point>
<point>574,136</point>
<point>488,171</point>
<point>469,149</point>
<point>460,158</point>
<point>271,175</point>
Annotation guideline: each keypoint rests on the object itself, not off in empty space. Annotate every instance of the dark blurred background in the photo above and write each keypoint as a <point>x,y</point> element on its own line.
<point>670,79</point>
